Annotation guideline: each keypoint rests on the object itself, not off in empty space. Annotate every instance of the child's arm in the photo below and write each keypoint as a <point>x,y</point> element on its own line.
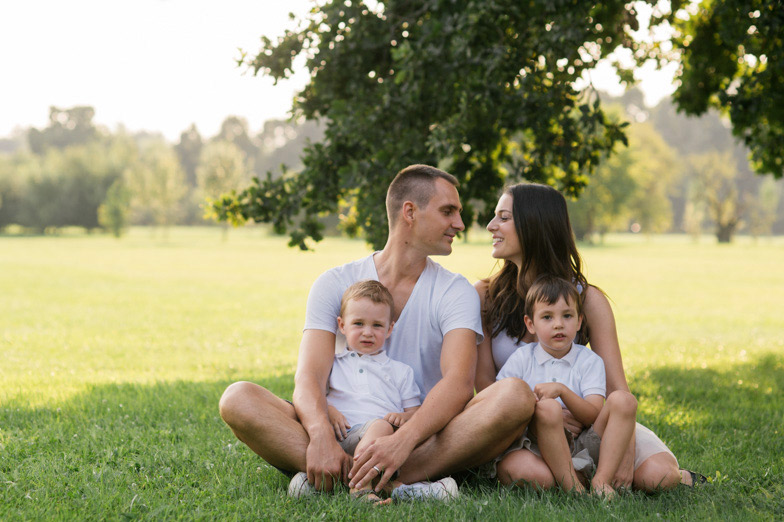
<point>338,422</point>
<point>398,419</point>
<point>584,410</point>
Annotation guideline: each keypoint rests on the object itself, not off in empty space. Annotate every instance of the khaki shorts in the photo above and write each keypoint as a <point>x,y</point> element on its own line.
<point>646,444</point>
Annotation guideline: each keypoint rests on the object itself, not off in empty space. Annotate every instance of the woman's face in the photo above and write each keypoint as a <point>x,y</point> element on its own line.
<point>506,245</point>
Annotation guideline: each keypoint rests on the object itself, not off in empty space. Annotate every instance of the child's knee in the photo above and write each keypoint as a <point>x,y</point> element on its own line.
<point>381,428</point>
<point>549,413</point>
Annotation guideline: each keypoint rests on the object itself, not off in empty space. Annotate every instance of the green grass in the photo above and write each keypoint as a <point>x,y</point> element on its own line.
<point>113,355</point>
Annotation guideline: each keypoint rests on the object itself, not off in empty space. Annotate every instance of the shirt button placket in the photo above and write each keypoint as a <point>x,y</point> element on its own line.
<point>362,373</point>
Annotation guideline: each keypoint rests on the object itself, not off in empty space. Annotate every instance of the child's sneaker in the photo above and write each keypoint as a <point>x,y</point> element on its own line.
<point>444,489</point>
<point>300,487</point>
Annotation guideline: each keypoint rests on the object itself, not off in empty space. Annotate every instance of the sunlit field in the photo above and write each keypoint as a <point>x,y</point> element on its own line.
<point>113,355</point>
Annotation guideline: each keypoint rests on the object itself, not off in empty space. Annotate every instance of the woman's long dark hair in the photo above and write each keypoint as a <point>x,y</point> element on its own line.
<point>547,242</point>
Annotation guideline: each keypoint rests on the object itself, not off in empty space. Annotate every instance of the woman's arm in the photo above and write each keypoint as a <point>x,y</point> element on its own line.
<point>604,338</point>
<point>485,367</point>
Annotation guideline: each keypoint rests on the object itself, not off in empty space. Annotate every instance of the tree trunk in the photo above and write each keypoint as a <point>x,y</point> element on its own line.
<point>724,231</point>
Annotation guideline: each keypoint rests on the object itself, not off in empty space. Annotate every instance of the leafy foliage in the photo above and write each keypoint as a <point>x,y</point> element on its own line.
<point>156,181</point>
<point>114,212</point>
<point>716,186</point>
<point>730,54</point>
<point>66,127</point>
<point>483,89</point>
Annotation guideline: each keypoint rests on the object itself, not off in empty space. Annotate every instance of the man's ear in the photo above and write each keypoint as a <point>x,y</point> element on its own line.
<point>408,211</point>
<point>529,324</point>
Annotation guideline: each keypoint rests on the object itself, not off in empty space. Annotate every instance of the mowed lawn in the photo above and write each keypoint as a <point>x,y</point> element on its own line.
<point>113,355</point>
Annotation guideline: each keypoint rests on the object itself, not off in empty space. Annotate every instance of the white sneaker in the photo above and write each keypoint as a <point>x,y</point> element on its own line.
<point>444,489</point>
<point>300,487</point>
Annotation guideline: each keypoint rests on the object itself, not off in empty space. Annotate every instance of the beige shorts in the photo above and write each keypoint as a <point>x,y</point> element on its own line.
<point>646,444</point>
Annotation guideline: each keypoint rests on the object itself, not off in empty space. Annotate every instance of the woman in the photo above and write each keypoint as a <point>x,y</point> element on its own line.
<point>533,235</point>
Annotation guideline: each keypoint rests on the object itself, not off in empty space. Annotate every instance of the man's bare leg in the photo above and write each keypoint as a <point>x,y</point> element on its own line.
<point>490,422</point>
<point>266,424</point>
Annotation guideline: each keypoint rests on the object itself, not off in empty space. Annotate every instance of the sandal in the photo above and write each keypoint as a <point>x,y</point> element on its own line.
<point>697,479</point>
<point>368,495</point>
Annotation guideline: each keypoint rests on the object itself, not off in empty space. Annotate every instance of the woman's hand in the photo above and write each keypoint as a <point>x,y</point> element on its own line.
<point>338,422</point>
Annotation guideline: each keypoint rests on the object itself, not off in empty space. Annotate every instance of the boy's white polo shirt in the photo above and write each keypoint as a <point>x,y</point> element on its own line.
<point>581,370</point>
<point>368,387</point>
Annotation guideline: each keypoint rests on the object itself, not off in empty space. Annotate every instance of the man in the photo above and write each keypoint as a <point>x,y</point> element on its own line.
<point>437,329</point>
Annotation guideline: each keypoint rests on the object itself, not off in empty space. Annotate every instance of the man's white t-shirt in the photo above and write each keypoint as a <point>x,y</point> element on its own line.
<point>441,301</point>
<point>367,387</point>
<point>581,370</point>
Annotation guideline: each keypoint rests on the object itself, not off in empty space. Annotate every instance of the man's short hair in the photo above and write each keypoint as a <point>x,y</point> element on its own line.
<point>548,289</point>
<point>370,289</point>
<point>414,183</point>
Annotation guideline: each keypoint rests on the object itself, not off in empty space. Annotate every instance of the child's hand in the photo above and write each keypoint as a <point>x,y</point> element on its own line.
<point>338,422</point>
<point>548,390</point>
<point>396,419</point>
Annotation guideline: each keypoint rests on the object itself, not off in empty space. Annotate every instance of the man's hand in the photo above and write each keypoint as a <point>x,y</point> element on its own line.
<point>625,473</point>
<point>338,422</point>
<point>327,463</point>
<point>386,454</point>
<point>398,419</point>
<point>548,390</point>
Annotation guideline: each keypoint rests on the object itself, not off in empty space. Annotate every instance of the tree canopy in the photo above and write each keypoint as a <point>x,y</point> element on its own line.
<point>730,55</point>
<point>483,89</point>
<point>487,91</point>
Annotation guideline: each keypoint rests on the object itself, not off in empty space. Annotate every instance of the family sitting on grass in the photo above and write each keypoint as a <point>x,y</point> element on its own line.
<point>394,347</point>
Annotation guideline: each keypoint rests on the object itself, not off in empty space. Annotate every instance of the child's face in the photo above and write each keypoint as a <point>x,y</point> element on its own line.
<point>365,324</point>
<point>555,326</point>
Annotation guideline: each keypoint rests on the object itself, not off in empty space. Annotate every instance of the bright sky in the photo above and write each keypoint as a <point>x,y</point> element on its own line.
<point>156,65</point>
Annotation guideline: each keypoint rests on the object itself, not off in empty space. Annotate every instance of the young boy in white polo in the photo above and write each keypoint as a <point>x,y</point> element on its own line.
<point>370,395</point>
<point>563,374</point>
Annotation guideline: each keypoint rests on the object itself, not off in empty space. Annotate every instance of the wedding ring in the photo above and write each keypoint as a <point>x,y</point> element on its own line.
<point>377,469</point>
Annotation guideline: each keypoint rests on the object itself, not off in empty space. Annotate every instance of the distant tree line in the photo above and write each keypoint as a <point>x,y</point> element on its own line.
<point>677,174</point>
<point>74,173</point>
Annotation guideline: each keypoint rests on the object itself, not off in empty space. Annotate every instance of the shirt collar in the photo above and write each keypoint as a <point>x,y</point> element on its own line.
<point>542,356</point>
<point>380,357</point>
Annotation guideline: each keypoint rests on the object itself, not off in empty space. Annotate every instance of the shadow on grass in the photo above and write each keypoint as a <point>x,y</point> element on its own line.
<point>130,449</point>
<point>729,421</point>
<point>127,451</point>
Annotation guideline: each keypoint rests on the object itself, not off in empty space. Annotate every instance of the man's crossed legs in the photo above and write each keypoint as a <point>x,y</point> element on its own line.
<point>488,424</point>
